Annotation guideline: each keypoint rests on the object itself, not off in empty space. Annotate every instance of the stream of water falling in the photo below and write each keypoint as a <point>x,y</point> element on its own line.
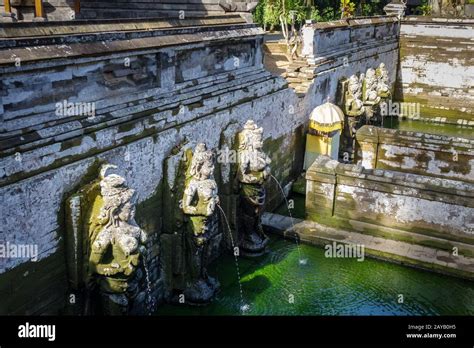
<point>150,300</point>
<point>301,260</point>
<point>243,307</point>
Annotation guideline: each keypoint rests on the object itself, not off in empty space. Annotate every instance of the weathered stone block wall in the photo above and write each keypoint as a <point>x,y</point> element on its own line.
<point>417,153</point>
<point>139,8</point>
<point>340,193</point>
<point>437,68</point>
<point>147,105</point>
<point>338,49</point>
<point>60,10</point>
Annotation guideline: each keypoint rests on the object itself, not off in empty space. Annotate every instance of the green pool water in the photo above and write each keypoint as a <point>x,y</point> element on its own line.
<point>328,286</point>
<point>325,286</point>
<point>428,127</point>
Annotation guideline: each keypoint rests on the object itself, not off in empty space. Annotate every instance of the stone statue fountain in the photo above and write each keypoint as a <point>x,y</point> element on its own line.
<point>363,101</point>
<point>117,244</point>
<point>253,170</point>
<point>353,105</point>
<point>199,205</point>
<point>370,94</point>
<point>383,84</point>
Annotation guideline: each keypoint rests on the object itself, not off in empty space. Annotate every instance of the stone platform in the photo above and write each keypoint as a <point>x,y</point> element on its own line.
<point>404,253</point>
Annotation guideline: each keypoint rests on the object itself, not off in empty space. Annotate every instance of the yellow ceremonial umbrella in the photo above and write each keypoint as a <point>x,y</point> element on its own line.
<point>326,122</point>
<point>326,118</point>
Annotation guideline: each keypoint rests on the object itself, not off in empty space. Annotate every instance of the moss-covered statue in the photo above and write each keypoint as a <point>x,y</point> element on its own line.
<point>253,171</point>
<point>369,88</point>
<point>116,245</point>
<point>199,205</point>
<point>353,105</point>
<point>383,84</point>
<point>370,95</point>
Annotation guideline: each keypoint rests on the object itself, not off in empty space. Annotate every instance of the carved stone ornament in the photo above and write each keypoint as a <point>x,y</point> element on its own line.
<point>253,171</point>
<point>199,205</point>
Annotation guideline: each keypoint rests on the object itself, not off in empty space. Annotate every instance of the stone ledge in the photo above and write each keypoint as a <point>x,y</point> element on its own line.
<point>354,22</point>
<point>81,50</point>
<point>107,25</point>
<point>436,20</point>
<point>374,134</point>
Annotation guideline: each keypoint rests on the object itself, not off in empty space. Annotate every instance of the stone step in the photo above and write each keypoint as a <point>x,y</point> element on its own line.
<point>294,65</point>
<point>307,70</point>
<point>275,48</point>
<point>293,79</point>
<point>307,76</point>
<point>410,254</point>
<point>293,74</point>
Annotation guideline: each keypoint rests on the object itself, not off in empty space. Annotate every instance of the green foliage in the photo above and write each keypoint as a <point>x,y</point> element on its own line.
<point>299,9</point>
<point>267,12</point>
<point>424,9</point>
<point>371,8</point>
<point>347,8</point>
<point>271,13</point>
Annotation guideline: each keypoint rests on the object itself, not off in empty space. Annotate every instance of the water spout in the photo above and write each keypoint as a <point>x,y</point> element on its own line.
<point>150,303</point>
<point>243,306</point>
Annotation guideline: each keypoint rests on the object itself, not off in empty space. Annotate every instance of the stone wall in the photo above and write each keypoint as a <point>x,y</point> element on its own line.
<point>336,50</point>
<point>417,153</point>
<point>344,195</point>
<point>153,91</point>
<point>60,10</point>
<point>139,8</point>
<point>437,68</point>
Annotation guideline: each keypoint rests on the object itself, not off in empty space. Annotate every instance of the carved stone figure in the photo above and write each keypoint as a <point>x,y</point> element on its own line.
<point>253,171</point>
<point>353,108</point>
<point>383,85</point>
<point>370,95</point>
<point>353,105</point>
<point>199,204</point>
<point>117,244</point>
<point>369,88</point>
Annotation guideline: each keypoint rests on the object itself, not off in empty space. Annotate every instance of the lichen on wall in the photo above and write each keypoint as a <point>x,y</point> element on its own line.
<point>437,68</point>
<point>418,153</point>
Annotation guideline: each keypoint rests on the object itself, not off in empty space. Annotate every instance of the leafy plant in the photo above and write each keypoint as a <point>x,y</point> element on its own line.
<point>424,9</point>
<point>347,9</point>
<point>267,12</point>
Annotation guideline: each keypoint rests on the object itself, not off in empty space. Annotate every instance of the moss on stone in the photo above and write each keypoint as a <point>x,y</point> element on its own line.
<point>70,143</point>
<point>126,127</point>
<point>148,212</point>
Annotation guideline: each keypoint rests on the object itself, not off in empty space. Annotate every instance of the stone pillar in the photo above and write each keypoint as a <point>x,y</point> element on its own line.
<point>367,143</point>
<point>39,11</point>
<point>395,8</point>
<point>320,188</point>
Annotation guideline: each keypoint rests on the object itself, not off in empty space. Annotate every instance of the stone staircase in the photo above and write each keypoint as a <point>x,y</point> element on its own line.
<point>299,73</point>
